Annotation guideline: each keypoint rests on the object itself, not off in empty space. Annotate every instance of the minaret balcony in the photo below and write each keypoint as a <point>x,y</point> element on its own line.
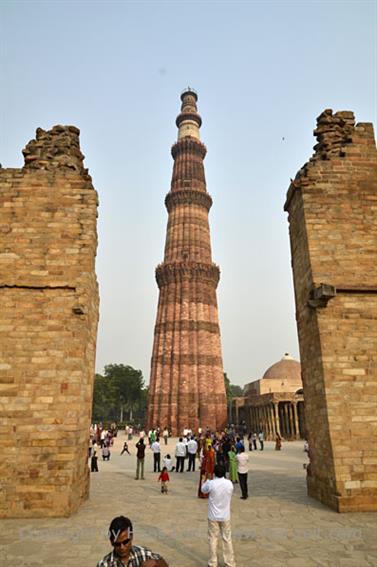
<point>188,144</point>
<point>176,272</point>
<point>188,197</point>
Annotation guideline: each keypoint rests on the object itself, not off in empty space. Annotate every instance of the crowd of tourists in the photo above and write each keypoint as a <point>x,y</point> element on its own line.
<point>205,449</point>
<point>100,439</point>
<point>222,462</point>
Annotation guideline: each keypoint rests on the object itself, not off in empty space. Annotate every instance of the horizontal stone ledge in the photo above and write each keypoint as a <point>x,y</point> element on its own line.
<point>39,287</point>
<point>188,144</point>
<point>191,271</point>
<point>187,359</point>
<point>361,289</point>
<point>188,197</point>
<point>322,293</point>
<point>185,116</point>
<point>189,325</point>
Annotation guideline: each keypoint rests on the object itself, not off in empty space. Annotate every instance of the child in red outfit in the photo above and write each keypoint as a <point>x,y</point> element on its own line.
<point>164,479</point>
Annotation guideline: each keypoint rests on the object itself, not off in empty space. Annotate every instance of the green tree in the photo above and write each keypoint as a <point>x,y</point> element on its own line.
<point>228,391</point>
<point>128,384</point>
<point>104,399</point>
<point>236,390</point>
<point>232,391</point>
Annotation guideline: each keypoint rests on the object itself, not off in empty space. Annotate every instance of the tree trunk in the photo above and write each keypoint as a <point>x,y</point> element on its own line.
<point>121,413</point>
<point>131,414</point>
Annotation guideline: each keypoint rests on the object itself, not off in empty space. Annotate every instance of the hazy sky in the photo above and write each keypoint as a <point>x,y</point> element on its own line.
<point>263,72</point>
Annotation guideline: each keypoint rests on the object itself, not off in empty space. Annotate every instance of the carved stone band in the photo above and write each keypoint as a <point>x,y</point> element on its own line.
<point>188,359</point>
<point>194,116</point>
<point>188,197</point>
<point>188,144</point>
<point>178,326</point>
<point>177,272</point>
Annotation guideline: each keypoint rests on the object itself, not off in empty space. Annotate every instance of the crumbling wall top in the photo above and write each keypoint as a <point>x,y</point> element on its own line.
<point>333,132</point>
<point>337,137</point>
<point>55,149</point>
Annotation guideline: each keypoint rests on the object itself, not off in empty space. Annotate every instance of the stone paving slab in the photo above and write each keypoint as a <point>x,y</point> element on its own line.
<point>279,525</point>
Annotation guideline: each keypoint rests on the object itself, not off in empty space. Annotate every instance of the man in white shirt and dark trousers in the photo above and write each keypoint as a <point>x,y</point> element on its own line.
<point>180,454</point>
<point>220,492</point>
<point>242,470</point>
<point>156,456</point>
<point>192,448</point>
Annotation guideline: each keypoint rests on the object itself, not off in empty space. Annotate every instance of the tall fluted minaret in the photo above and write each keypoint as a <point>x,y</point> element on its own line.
<point>187,382</point>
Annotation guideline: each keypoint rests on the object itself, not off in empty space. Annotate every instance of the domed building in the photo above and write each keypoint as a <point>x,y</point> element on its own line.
<point>275,403</point>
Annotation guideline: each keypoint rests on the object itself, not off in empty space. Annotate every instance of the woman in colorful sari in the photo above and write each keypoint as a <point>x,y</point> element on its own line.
<point>232,465</point>
<point>207,468</point>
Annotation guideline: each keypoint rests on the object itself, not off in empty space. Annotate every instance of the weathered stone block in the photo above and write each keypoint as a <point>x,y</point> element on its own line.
<point>333,233</point>
<point>48,245</point>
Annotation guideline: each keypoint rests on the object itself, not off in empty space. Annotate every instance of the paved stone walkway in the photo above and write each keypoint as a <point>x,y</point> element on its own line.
<point>277,526</point>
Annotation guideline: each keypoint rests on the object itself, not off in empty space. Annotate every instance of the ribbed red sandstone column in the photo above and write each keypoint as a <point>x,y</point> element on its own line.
<point>187,380</point>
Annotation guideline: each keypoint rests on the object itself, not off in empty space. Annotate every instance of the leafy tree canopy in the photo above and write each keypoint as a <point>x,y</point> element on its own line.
<point>232,390</point>
<point>120,389</point>
<point>227,387</point>
<point>236,390</point>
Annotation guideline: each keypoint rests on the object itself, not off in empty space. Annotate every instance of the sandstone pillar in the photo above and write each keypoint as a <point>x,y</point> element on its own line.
<point>286,421</point>
<point>48,327</point>
<point>250,419</point>
<point>260,422</point>
<point>333,232</point>
<point>268,412</point>
<point>187,379</point>
<point>255,419</point>
<point>297,428</point>
<point>273,421</point>
<point>277,419</point>
<point>266,417</point>
<point>291,420</point>
<point>264,421</point>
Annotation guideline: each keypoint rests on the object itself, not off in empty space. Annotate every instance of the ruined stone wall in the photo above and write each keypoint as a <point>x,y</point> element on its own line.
<point>48,327</point>
<point>332,205</point>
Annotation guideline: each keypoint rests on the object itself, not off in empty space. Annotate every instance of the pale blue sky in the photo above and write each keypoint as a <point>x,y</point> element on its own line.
<point>263,71</point>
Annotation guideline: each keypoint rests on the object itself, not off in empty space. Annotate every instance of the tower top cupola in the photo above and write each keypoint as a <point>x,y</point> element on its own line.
<point>188,121</point>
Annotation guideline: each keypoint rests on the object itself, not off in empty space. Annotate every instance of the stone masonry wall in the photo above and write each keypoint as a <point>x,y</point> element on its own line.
<point>48,327</point>
<point>332,206</point>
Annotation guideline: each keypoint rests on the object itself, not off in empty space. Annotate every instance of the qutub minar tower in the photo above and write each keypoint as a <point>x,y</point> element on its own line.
<point>187,380</point>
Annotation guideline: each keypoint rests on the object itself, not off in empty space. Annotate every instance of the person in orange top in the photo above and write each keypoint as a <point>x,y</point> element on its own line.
<point>164,479</point>
<point>206,469</point>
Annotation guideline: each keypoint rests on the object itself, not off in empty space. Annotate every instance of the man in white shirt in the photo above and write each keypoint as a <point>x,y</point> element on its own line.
<point>103,437</point>
<point>242,470</point>
<point>156,456</point>
<point>192,448</point>
<point>180,453</point>
<point>220,492</point>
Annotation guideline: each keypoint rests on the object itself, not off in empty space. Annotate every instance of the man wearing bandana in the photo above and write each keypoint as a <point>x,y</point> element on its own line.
<point>124,553</point>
